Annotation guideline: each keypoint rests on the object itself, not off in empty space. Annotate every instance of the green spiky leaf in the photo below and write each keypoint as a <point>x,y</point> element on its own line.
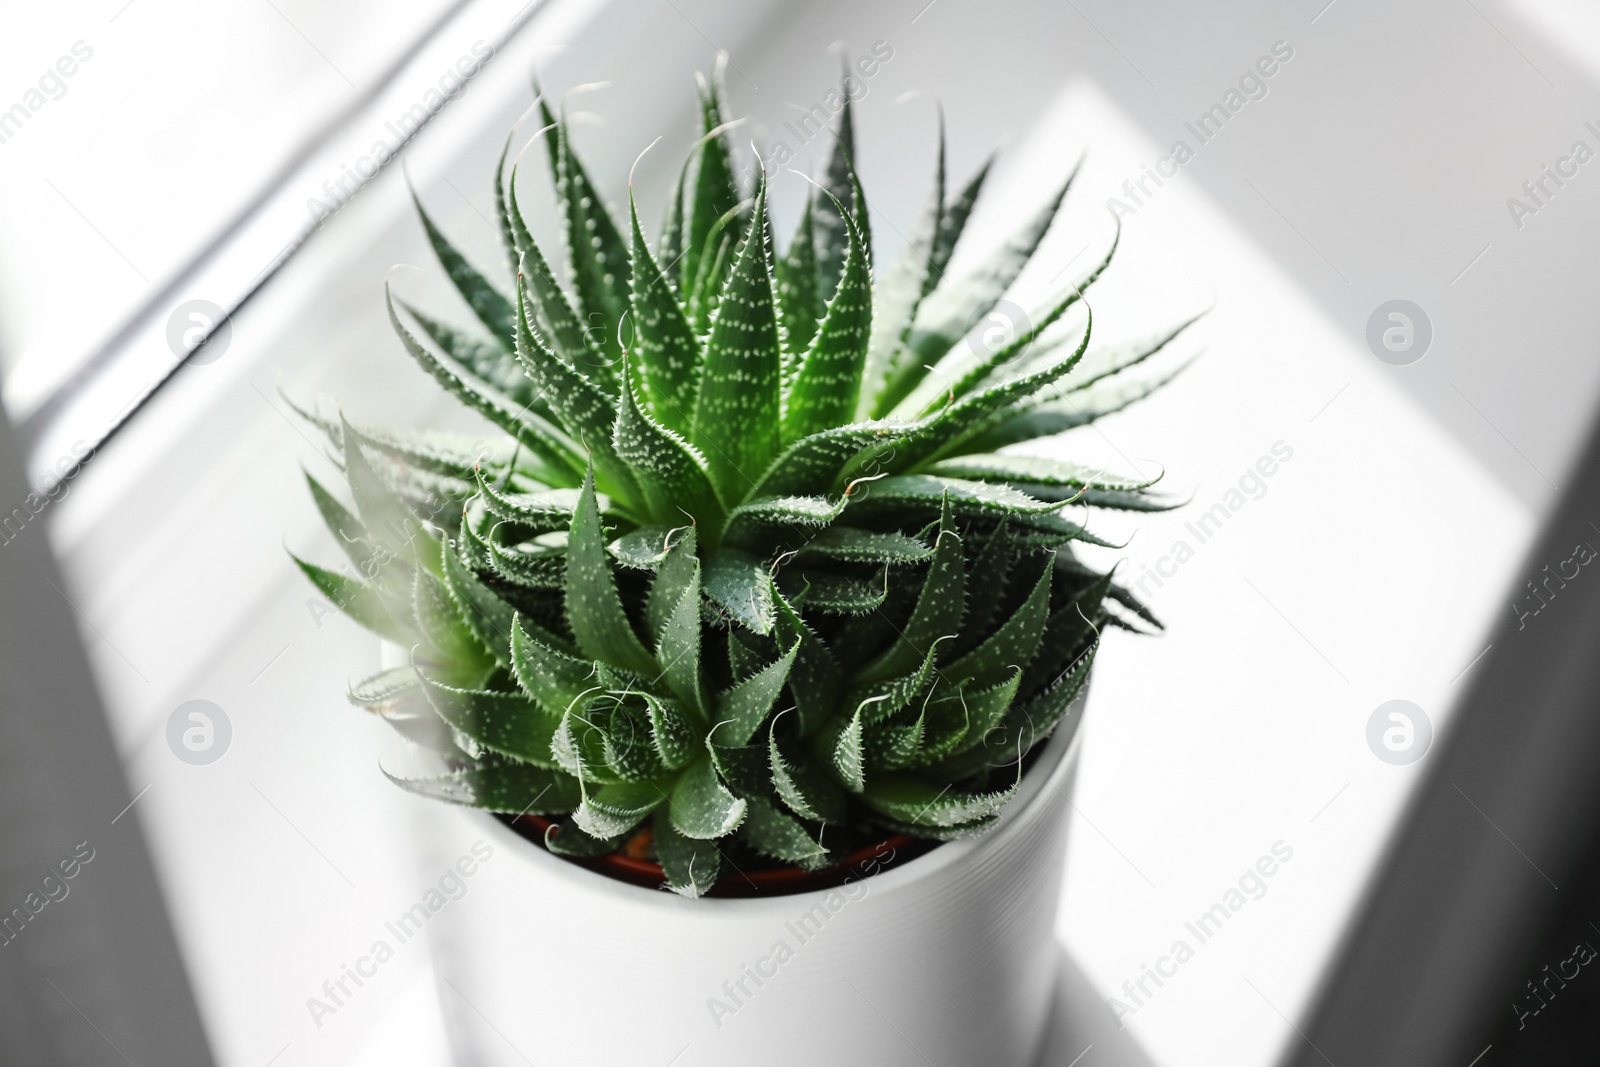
<point>359,601</point>
<point>349,530</point>
<point>551,677</point>
<point>643,549</point>
<point>737,406</point>
<point>738,584</point>
<point>814,678</point>
<point>702,807</point>
<point>801,303</point>
<point>1011,646</point>
<point>444,630</point>
<point>847,544</point>
<point>828,380</point>
<point>486,302</point>
<point>676,735</point>
<point>507,723</point>
<point>671,472</point>
<point>890,746</point>
<point>781,836</point>
<point>530,430</point>
<point>745,707</point>
<point>597,254</point>
<point>715,195</point>
<point>838,182</point>
<point>495,783</point>
<point>982,710</point>
<point>913,277</point>
<point>486,360</point>
<point>487,616</point>
<point>1046,418</point>
<point>749,522</point>
<point>939,607</point>
<point>585,411</point>
<point>803,788</point>
<point>678,645</point>
<point>558,321</point>
<point>953,309</point>
<point>847,755</point>
<point>564,838</point>
<point>835,594</point>
<point>594,607</point>
<point>914,800</point>
<point>692,867</point>
<point>664,343</point>
<point>613,810</point>
<point>534,513</point>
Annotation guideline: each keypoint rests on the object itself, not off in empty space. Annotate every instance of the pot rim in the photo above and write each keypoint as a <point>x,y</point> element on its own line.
<point>1061,752</point>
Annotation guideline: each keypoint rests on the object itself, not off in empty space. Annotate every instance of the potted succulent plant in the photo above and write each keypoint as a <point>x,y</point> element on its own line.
<point>748,603</point>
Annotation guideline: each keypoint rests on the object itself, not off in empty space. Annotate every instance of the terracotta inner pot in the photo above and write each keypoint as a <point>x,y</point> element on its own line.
<point>631,864</point>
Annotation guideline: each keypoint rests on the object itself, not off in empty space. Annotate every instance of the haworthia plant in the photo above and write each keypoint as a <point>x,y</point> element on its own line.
<point>747,581</point>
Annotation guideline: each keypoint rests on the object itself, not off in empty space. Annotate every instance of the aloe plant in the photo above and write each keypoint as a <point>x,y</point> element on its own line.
<point>744,581</point>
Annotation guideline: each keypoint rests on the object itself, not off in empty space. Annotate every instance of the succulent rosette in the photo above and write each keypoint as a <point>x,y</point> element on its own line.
<point>750,575</point>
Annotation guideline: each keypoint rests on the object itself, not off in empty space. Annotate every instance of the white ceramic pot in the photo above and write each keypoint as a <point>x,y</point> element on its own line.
<point>948,959</point>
